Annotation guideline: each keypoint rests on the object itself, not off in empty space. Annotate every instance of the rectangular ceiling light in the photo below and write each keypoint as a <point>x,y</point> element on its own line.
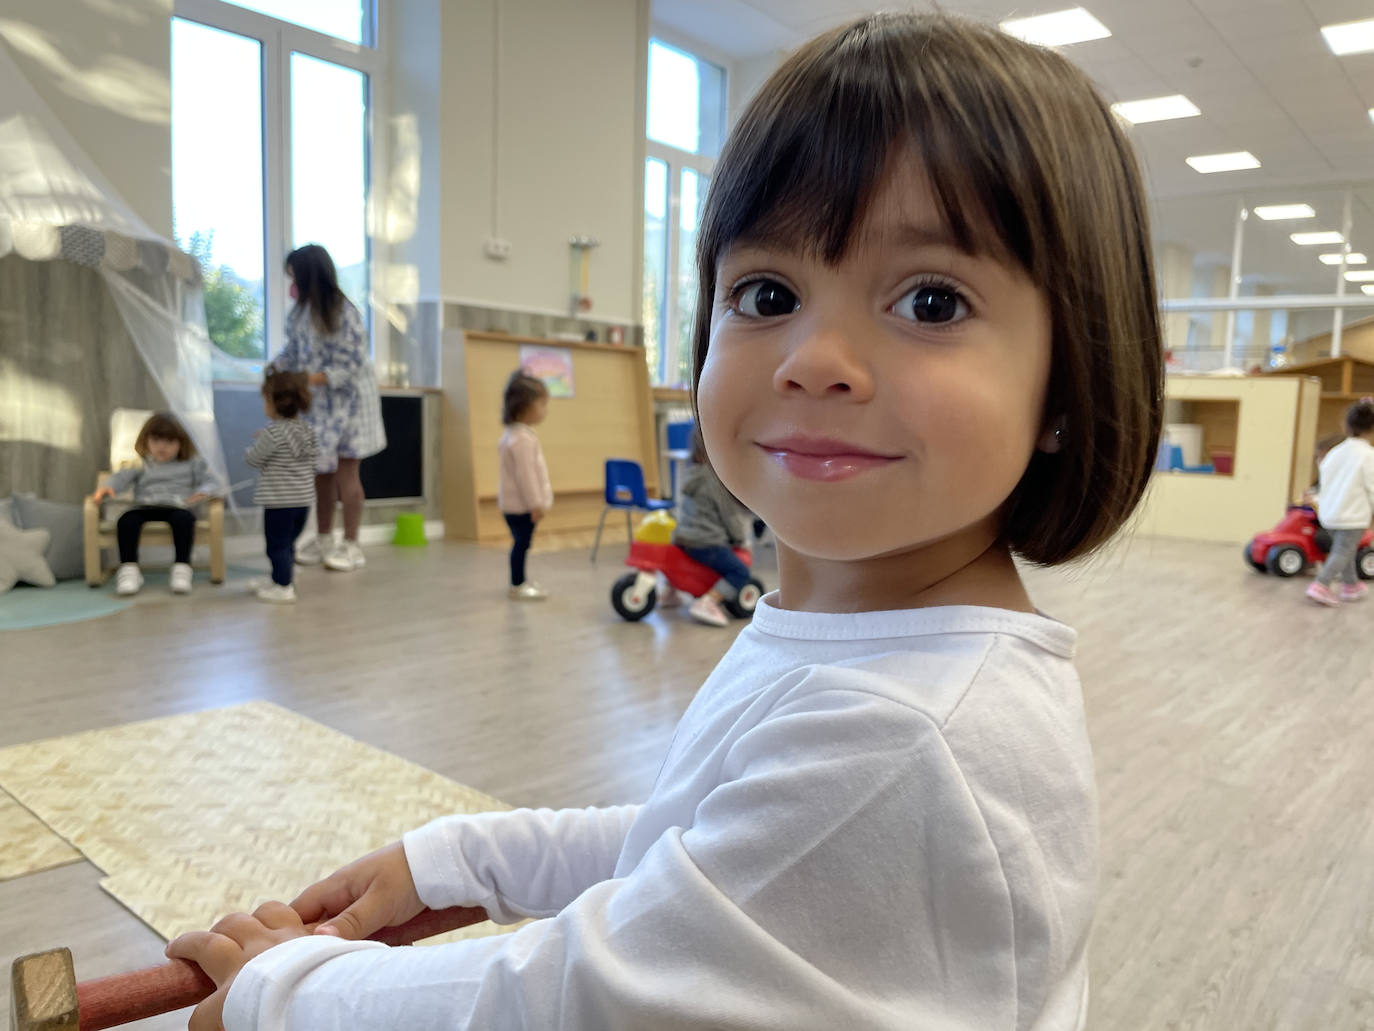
<point>1351,37</point>
<point>1335,259</point>
<point>1233,162</point>
<point>1359,277</point>
<point>1156,109</point>
<point>1270,212</point>
<point>1057,29</point>
<point>1368,288</point>
<point>1308,239</point>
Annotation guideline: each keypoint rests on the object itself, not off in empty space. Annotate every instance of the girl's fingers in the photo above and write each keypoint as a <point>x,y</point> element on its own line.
<point>366,916</point>
<point>218,956</point>
<point>277,916</point>
<point>323,899</point>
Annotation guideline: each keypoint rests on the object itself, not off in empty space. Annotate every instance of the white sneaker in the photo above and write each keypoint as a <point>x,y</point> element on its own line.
<point>310,553</point>
<point>528,591</point>
<point>668,596</point>
<point>181,578</point>
<point>277,594</point>
<point>345,558</point>
<point>128,580</point>
<point>707,610</point>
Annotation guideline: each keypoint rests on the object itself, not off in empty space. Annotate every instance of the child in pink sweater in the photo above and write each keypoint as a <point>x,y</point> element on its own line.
<point>524,493</point>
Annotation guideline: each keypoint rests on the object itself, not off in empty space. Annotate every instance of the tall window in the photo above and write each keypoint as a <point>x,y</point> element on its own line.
<point>271,149</point>
<point>686,126</point>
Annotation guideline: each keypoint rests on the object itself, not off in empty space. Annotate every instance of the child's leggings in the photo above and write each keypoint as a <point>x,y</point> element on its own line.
<point>281,527</point>
<point>522,529</point>
<point>725,562</point>
<point>182,522</point>
<point>1340,561</point>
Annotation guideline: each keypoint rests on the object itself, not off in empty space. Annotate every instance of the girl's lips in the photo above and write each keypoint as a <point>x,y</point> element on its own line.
<point>822,459</point>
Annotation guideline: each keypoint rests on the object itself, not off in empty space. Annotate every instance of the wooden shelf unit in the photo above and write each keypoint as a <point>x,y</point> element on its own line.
<point>609,416</point>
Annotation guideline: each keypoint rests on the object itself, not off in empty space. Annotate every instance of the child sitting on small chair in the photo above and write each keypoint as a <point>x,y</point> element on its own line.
<point>171,479</point>
<point>708,530</point>
<point>284,450</point>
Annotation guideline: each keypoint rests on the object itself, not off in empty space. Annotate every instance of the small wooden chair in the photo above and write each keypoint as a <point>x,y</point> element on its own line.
<point>99,532</point>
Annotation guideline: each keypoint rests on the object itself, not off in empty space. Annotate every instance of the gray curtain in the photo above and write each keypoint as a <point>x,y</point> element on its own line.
<point>66,362</point>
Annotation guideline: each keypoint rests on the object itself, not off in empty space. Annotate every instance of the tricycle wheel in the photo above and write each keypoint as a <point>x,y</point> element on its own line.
<point>1258,567</point>
<point>1286,560</point>
<point>628,601</point>
<point>743,604</point>
<point>1364,563</point>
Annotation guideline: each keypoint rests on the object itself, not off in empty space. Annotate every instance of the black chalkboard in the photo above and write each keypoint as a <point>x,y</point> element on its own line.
<point>399,471</point>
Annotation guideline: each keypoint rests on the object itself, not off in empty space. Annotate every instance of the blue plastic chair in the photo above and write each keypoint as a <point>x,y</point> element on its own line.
<point>625,489</point>
<point>679,450</point>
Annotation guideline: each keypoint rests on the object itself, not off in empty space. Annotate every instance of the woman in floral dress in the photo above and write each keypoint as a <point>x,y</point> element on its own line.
<point>326,337</point>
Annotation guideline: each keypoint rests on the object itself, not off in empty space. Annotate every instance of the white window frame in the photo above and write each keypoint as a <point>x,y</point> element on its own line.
<point>279,40</point>
<point>677,160</point>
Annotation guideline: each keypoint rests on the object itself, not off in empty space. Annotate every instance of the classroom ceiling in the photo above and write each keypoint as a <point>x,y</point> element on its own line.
<point>1259,70</point>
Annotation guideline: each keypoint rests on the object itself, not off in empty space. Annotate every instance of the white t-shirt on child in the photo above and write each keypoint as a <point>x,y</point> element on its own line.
<point>876,820</point>
<point>1346,493</point>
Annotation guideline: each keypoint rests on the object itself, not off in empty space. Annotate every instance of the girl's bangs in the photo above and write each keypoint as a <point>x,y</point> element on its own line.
<point>802,168</point>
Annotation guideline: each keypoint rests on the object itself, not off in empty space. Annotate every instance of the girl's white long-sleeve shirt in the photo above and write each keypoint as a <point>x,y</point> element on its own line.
<point>882,820</point>
<point>1346,494</point>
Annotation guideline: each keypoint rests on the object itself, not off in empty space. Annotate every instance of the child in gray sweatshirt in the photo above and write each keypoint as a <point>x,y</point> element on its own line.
<point>709,529</point>
<point>167,483</point>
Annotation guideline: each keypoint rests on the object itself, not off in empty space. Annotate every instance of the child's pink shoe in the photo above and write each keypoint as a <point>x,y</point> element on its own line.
<point>1322,594</point>
<point>1354,592</point>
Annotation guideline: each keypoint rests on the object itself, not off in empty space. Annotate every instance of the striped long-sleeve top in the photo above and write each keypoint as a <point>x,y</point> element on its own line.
<point>285,452</point>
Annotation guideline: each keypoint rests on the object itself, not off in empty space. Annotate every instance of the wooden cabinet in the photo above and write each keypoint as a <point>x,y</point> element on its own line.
<point>610,415</point>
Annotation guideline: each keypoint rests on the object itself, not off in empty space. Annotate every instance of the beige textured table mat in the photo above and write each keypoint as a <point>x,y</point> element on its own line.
<point>195,816</point>
<point>26,844</point>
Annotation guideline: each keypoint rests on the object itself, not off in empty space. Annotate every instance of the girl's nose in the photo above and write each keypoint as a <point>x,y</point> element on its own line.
<point>825,363</point>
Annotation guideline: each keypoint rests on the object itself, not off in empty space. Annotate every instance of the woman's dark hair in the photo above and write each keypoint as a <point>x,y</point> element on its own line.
<point>317,286</point>
<point>1359,417</point>
<point>164,426</point>
<point>522,390</point>
<point>1027,164</point>
<point>289,392</point>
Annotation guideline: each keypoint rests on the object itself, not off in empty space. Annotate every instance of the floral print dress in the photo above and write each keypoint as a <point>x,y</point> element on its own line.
<point>346,412</point>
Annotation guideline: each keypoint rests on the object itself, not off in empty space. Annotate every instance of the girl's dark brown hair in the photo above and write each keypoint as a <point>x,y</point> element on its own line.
<point>1028,164</point>
<point>522,390</point>
<point>164,426</point>
<point>289,392</point>
<point>317,286</point>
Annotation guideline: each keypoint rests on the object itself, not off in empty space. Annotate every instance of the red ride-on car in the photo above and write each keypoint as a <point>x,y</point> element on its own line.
<point>634,595</point>
<point>1299,541</point>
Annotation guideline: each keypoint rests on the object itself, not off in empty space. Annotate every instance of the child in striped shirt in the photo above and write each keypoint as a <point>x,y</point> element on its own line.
<point>284,450</point>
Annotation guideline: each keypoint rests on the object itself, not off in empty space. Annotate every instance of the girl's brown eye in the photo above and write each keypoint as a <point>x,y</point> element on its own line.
<point>933,304</point>
<point>767,298</point>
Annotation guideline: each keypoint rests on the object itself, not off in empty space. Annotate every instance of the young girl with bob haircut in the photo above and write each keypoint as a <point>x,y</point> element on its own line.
<point>926,342</point>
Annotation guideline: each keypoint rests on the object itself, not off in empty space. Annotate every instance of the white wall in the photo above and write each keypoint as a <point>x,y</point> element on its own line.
<point>568,149</point>
<point>104,68</point>
<point>747,76</point>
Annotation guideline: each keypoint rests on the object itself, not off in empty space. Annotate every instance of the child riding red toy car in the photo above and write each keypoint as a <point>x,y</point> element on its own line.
<point>1299,541</point>
<point>634,595</point>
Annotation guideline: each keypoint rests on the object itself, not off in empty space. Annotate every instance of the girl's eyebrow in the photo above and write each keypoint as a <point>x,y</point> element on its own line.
<point>916,235</point>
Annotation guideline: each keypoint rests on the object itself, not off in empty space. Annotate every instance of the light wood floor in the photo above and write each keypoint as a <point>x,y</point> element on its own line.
<point>1231,722</point>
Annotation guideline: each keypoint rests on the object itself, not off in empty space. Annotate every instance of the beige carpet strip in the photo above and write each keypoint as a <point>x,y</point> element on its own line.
<point>195,816</point>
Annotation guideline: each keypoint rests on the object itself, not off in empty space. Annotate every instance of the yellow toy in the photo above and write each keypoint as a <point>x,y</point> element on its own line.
<point>656,528</point>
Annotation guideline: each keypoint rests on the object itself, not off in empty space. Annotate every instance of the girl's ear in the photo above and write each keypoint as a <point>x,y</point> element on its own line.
<point>1052,439</point>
